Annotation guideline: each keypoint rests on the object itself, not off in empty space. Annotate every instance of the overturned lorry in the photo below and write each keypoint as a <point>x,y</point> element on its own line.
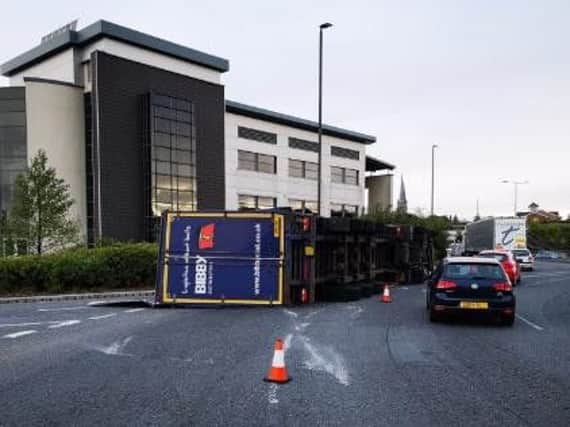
<point>282,257</point>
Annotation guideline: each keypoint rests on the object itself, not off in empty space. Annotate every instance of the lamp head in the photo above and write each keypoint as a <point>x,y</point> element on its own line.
<point>325,25</point>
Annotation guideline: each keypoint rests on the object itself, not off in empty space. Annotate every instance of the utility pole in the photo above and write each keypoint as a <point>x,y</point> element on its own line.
<point>433,147</point>
<point>321,28</point>
<point>516,191</point>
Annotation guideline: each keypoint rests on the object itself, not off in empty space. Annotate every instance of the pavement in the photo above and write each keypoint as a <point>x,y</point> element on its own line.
<point>361,364</point>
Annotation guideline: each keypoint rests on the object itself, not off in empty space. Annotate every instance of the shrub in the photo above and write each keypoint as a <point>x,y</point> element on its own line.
<point>120,266</point>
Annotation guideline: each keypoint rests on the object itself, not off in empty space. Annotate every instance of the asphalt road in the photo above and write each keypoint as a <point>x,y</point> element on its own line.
<point>362,363</point>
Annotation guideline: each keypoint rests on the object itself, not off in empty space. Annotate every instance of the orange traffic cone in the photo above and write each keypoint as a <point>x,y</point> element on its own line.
<point>304,296</point>
<point>386,295</point>
<point>278,372</point>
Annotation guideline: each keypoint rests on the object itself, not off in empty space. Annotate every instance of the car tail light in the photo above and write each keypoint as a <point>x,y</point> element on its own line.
<point>446,284</point>
<point>503,287</point>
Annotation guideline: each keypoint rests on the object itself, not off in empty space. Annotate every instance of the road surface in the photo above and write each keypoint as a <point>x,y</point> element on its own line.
<point>361,363</point>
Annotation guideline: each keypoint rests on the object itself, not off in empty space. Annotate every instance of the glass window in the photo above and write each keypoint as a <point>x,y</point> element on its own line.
<point>265,202</point>
<point>311,170</point>
<point>266,163</point>
<point>336,209</point>
<point>172,163</point>
<point>185,184</point>
<point>296,168</point>
<point>337,174</point>
<point>246,202</point>
<point>162,140</point>
<point>296,204</point>
<point>256,162</point>
<point>182,157</point>
<point>183,143</point>
<point>246,160</point>
<point>351,176</point>
<point>162,125</point>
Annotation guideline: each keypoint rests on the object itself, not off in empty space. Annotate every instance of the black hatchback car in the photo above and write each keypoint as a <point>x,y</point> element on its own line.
<point>470,285</point>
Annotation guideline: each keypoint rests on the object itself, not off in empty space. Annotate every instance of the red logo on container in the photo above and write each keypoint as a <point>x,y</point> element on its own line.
<point>206,240</point>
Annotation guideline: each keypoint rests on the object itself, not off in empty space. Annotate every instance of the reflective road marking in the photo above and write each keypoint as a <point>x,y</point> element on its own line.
<point>529,323</point>
<point>103,316</point>
<point>20,334</point>
<point>64,323</point>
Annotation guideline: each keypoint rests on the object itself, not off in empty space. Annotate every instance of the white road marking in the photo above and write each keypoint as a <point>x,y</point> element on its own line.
<point>404,288</point>
<point>356,313</point>
<point>103,316</point>
<point>531,324</point>
<point>116,349</point>
<point>272,394</point>
<point>313,313</point>
<point>62,309</point>
<point>287,342</point>
<point>20,334</point>
<point>291,313</point>
<point>134,310</point>
<point>64,323</point>
<point>331,362</point>
<point>18,325</point>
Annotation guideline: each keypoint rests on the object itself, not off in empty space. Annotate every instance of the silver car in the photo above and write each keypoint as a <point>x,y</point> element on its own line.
<point>524,258</point>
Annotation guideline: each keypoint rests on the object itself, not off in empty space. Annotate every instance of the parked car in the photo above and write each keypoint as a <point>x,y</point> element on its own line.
<point>508,261</point>
<point>470,285</point>
<point>542,254</point>
<point>524,258</point>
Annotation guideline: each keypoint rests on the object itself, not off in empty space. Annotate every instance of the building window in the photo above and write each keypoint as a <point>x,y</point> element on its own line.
<point>340,209</point>
<point>303,205</point>
<point>13,147</point>
<point>303,169</point>
<point>257,135</point>
<point>257,162</point>
<point>302,144</point>
<point>345,152</point>
<point>172,155</point>
<point>344,175</point>
<point>248,202</point>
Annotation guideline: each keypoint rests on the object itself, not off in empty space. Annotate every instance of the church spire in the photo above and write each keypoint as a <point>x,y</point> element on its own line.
<point>402,201</point>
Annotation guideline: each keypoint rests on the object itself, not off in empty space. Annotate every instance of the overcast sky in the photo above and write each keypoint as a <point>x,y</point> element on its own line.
<point>486,80</point>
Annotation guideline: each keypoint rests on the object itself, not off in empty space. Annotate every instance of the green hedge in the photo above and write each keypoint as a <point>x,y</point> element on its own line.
<point>120,266</point>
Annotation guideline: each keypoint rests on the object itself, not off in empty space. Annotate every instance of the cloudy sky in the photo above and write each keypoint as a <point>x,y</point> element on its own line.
<point>486,80</point>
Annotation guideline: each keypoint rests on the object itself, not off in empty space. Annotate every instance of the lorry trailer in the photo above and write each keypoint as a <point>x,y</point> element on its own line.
<point>282,257</point>
<point>495,233</point>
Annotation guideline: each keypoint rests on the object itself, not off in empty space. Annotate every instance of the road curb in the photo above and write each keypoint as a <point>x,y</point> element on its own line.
<point>72,297</point>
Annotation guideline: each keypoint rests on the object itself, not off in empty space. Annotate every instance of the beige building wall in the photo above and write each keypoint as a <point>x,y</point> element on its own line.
<point>56,123</point>
<point>380,192</point>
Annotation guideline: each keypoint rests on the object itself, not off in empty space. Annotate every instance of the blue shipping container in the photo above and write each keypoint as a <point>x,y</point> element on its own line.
<point>214,258</point>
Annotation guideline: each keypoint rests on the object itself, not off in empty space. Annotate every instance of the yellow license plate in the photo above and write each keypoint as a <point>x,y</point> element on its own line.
<point>474,305</point>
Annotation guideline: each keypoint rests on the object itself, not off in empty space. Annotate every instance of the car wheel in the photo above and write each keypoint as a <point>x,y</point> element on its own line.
<point>508,320</point>
<point>433,316</point>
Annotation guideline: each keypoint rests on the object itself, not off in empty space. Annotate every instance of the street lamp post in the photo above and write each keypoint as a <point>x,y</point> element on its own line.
<point>321,28</point>
<point>516,188</point>
<point>433,147</point>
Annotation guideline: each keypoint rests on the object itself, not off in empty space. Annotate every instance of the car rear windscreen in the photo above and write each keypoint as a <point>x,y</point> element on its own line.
<point>521,252</point>
<point>473,271</point>
<point>498,257</point>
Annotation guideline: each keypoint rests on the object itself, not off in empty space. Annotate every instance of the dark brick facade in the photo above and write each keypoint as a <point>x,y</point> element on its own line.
<point>119,90</point>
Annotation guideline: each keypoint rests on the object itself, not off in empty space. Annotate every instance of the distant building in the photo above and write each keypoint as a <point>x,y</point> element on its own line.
<point>537,215</point>
<point>136,125</point>
<point>402,200</point>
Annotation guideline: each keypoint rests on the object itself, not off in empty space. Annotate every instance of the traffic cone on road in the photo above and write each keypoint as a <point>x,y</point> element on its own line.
<point>304,296</point>
<point>278,372</point>
<point>386,295</point>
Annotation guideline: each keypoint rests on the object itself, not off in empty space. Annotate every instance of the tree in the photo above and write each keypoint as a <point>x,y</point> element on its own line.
<point>40,213</point>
